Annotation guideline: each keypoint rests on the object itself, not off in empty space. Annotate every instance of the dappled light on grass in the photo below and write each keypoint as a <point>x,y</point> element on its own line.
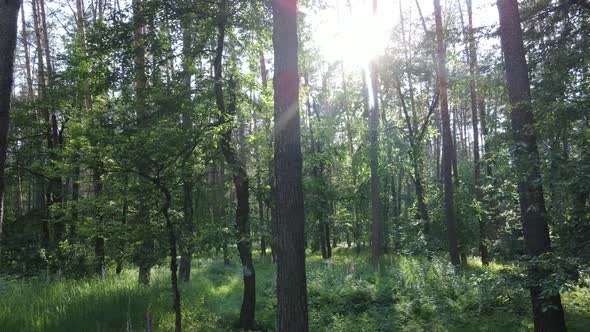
<point>345,294</point>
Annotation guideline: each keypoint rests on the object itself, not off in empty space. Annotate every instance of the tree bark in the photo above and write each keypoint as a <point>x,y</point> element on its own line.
<point>99,240</point>
<point>447,139</point>
<point>186,237</point>
<point>288,226</point>
<point>8,31</point>
<point>548,312</point>
<point>25,42</point>
<point>415,139</point>
<point>473,91</point>
<point>143,262</point>
<point>318,173</point>
<point>240,178</point>
<point>55,182</point>
<point>42,194</point>
<point>377,222</point>
<point>173,257</point>
<point>349,133</point>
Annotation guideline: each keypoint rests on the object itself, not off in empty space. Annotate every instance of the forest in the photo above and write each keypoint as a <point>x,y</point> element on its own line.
<point>293,166</point>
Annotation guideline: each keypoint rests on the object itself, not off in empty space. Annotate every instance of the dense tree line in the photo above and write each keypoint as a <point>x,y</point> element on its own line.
<point>145,133</point>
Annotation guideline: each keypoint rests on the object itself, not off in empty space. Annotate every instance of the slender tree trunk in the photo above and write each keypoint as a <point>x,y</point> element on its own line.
<point>548,312</point>
<point>8,31</point>
<point>415,153</point>
<point>42,193</point>
<point>186,251</point>
<point>19,194</point>
<point>355,218</point>
<point>318,175</point>
<point>220,212</point>
<point>172,242</point>
<point>447,139</point>
<point>144,263</point>
<point>261,219</point>
<point>455,147</point>
<point>125,212</point>
<point>25,41</point>
<point>260,191</point>
<point>240,179</point>
<point>99,240</point>
<point>288,226</point>
<point>377,222</point>
<point>474,73</point>
<point>55,183</point>
<point>485,133</point>
<point>271,202</point>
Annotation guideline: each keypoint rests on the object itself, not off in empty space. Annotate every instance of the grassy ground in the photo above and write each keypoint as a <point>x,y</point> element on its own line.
<point>345,294</point>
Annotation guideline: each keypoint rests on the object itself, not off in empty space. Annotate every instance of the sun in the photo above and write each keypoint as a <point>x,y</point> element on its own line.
<point>351,32</point>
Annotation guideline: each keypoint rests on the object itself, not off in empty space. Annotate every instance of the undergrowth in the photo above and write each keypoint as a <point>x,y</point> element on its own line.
<point>345,294</point>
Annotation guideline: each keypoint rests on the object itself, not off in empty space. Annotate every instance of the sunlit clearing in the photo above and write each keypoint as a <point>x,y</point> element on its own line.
<point>351,32</point>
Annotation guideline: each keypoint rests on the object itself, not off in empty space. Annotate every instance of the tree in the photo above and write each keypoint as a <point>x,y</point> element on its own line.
<point>187,184</point>
<point>447,138</point>
<point>141,110</point>
<point>376,211</point>
<point>473,93</point>
<point>547,309</point>
<point>8,29</point>
<point>288,226</point>
<point>239,176</point>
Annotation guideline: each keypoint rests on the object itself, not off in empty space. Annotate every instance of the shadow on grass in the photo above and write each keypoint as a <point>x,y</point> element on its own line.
<point>345,293</point>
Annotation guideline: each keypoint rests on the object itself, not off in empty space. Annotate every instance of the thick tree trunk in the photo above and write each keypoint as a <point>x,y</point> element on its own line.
<point>288,226</point>
<point>548,312</point>
<point>240,179</point>
<point>447,140</point>
<point>8,30</point>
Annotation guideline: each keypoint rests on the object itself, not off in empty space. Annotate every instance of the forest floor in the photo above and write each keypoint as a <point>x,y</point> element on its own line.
<point>345,294</point>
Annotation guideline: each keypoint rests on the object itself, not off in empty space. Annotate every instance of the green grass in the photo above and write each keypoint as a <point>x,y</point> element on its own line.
<point>345,294</point>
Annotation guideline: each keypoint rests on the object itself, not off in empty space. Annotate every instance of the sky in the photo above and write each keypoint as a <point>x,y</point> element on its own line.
<point>353,34</point>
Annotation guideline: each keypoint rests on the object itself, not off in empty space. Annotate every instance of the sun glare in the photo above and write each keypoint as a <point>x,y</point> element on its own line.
<point>351,32</point>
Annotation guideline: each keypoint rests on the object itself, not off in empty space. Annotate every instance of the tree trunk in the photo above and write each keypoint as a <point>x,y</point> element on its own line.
<point>377,222</point>
<point>271,202</point>
<point>355,218</point>
<point>186,237</point>
<point>99,240</point>
<point>474,73</point>
<point>454,148</point>
<point>447,140</point>
<point>173,256</point>
<point>8,31</point>
<point>415,152</point>
<point>288,226</point>
<point>548,312</point>
<point>42,200</point>
<point>25,42</point>
<point>240,179</point>
<point>55,183</point>
<point>147,244</point>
